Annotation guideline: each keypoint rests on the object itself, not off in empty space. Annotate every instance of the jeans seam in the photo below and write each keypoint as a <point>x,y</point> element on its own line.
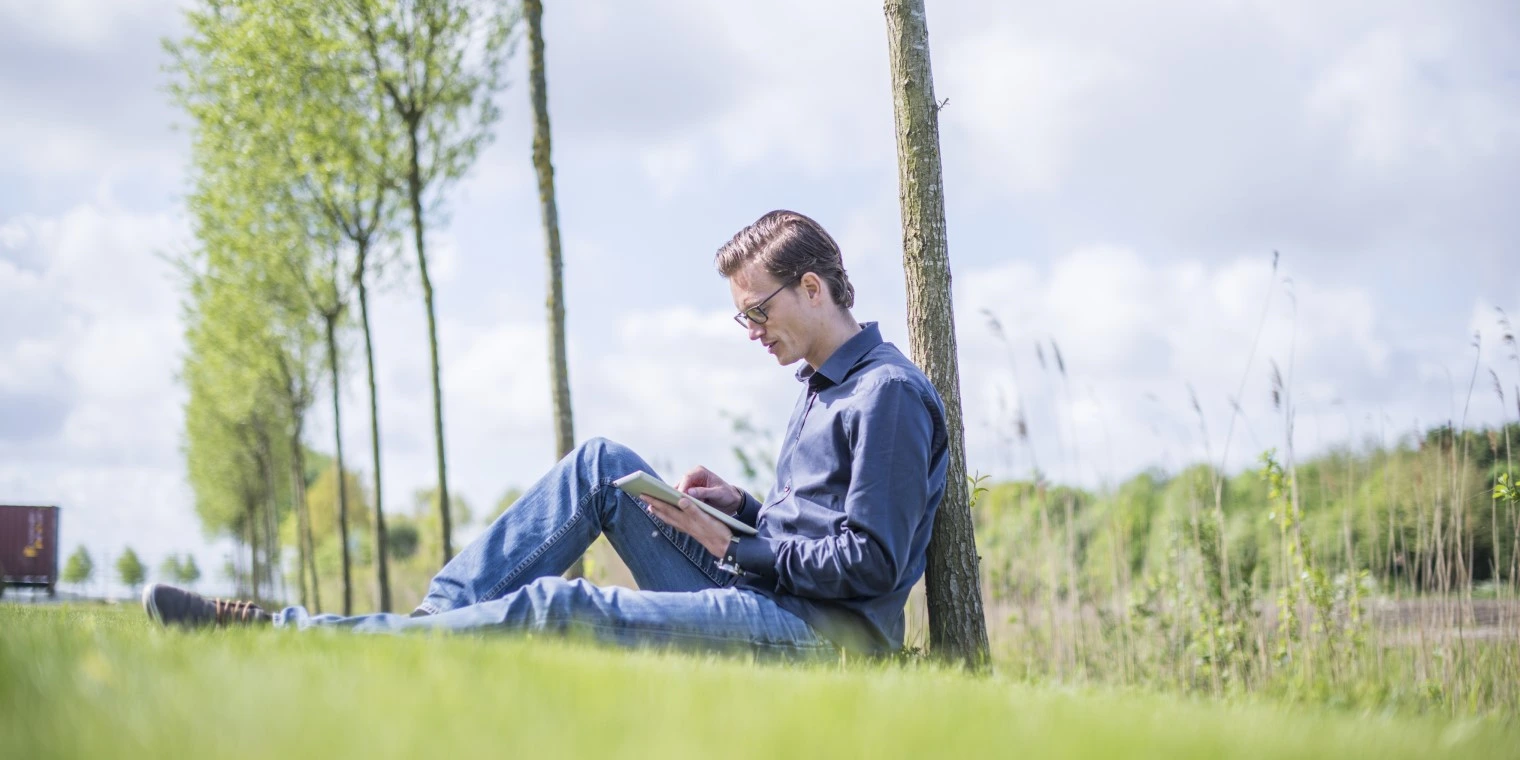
<point>668,532</point>
<point>499,590</point>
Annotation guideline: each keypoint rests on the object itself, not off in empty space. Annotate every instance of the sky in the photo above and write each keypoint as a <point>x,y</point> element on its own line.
<point>1119,180</point>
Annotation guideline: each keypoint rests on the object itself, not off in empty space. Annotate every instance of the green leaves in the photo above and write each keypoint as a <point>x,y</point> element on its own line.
<point>130,569</point>
<point>1505,489</point>
<point>437,64</point>
<point>80,568</point>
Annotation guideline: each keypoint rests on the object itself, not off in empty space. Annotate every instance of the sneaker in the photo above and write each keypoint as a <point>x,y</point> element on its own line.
<point>174,606</point>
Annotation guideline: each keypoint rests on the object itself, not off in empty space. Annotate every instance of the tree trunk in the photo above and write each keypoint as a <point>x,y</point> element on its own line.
<point>304,596</point>
<point>250,506</point>
<point>272,551</point>
<point>414,192</point>
<point>303,522</point>
<point>332,364</point>
<point>957,626</point>
<point>382,565</point>
<point>559,369</point>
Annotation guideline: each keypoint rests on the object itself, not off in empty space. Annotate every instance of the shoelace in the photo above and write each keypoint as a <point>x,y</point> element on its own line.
<point>235,611</point>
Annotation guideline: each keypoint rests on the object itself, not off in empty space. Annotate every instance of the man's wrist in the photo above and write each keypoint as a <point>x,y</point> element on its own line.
<point>718,545</point>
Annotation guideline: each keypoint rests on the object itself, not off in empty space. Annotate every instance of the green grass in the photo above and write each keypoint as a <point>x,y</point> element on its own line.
<point>97,682</point>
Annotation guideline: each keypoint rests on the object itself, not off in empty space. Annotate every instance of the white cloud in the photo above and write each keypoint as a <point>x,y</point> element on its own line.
<point>1135,334</point>
<point>91,331</point>
<point>1405,96</point>
<point>669,166</point>
<point>1025,100</point>
<point>89,301</point>
<point>79,24</point>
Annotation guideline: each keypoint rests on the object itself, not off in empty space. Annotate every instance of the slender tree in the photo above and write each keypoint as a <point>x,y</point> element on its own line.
<point>80,568</point>
<point>298,394</point>
<point>189,572</point>
<point>438,64</point>
<point>130,569</point>
<point>345,141</point>
<point>559,368</point>
<point>170,568</point>
<point>957,625</point>
<point>382,546</point>
<point>266,250</point>
<point>332,303</point>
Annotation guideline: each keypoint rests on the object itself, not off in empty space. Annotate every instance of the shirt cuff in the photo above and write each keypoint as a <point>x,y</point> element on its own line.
<point>753,555</point>
<point>749,511</point>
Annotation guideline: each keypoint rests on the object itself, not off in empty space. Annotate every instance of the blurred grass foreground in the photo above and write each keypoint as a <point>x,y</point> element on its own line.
<point>101,682</point>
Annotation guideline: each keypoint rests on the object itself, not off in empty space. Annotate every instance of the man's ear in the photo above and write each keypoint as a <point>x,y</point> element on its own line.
<point>813,285</point>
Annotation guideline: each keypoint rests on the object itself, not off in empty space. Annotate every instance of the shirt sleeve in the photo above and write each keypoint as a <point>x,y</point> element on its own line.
<point>890,448</point>
<point>749,511</point>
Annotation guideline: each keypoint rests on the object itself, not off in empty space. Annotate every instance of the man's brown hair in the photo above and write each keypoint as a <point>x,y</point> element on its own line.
<point>789,245</point>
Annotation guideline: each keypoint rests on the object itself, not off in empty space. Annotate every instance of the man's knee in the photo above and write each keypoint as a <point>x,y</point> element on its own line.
<point>608,457</point>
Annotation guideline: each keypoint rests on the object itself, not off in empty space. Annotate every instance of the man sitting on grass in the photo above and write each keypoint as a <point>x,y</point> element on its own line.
<point>841,538</point>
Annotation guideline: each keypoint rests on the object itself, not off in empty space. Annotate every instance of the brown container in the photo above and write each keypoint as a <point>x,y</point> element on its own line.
<point>29,546</point>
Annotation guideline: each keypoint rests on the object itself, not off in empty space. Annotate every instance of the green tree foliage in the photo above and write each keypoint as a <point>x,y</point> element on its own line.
<point>189,571</point>
<point>239,408</point>
<point>322,504</point>
<point>437,64</point>
<point>79,568</point>
<point>1399,513</point>
<point>282,177</point>
<point>425,502</point>
<point>308,120</point>
<point>171,568</point>
<point>180,569</point>
<point>130,569</point>
<point>402,541</point>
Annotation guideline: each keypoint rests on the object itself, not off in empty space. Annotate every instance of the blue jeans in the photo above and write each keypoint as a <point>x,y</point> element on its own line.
<point>509,577</point>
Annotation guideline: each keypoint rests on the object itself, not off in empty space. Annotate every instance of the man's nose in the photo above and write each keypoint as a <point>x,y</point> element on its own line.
<point>756,331</point>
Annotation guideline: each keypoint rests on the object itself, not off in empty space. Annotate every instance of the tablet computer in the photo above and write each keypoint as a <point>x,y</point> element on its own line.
<point>641,483</point>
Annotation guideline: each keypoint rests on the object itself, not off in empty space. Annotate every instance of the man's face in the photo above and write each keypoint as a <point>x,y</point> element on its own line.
<point>786,332</point>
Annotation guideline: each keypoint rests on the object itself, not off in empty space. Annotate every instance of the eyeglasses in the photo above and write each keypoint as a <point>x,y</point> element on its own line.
<point>755,315</point>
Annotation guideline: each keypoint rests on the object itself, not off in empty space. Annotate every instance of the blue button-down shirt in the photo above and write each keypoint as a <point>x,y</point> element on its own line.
<point>844,533</point>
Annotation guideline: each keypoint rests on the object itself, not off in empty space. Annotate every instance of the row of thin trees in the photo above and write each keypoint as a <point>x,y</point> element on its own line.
<point>326,134</point>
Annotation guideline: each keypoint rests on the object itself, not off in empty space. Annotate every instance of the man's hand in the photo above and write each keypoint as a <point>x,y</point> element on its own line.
<point>712,490</point>
<point>689,519</point>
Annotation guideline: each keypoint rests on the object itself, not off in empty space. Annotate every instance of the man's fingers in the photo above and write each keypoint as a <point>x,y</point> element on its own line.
<point>695,477</point>
<point>659,504</point>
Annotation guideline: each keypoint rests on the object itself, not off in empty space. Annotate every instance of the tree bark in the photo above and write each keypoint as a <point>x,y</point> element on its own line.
<point>303,522</point>
<point>250,507</point>
<point>382,564</point>
<point>559,369</point>
<point>414,194</point>
<point>273,551</point>
<point>957,625</point>
<point>332,364</point>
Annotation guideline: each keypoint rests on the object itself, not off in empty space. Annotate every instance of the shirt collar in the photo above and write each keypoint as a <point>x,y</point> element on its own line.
<point>844,358</point>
